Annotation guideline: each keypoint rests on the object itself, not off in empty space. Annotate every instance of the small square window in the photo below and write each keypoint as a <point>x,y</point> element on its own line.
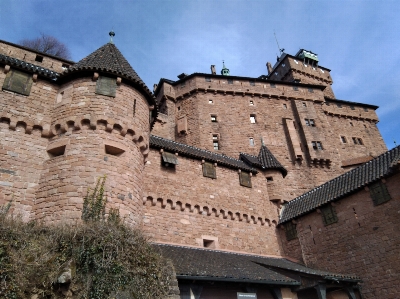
<point>379,193</point>
<point>216,144</point>
<point>230,81</point>
<point>252,83</point>
<point>251,140</point>
<point>209,244</point>
<point>213,118</point>
<point>310,90</point>
<point>270,179</point>
<point>245,179</point>
<point>343,138</point>
<point>39,58</point>
<point>272,85</point>
<point>284,106</point>
<point>328,215</point>
<point>208,79</point>
<point>295,88</point>
<point>312,123</point>
<point>360,142</point>
<point>290,231</point>
<point>210,101</point>
<point>252,119</point>
<point>251,103</point>
<point>351,124</point>
<point>317,145</point>
<point>307,122</point>
<point>209,170</point>
<point>179,108</point>
<point>355,141</point>
<point>304,104</point>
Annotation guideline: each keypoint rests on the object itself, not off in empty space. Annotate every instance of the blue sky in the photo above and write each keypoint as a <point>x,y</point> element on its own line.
<point>358,40</point>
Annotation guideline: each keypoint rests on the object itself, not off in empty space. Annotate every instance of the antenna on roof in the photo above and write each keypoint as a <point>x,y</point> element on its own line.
<point>395,144</point>
<point>279,48</point>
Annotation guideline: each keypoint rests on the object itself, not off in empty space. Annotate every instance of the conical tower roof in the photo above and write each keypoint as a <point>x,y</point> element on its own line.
<point>108,59</point>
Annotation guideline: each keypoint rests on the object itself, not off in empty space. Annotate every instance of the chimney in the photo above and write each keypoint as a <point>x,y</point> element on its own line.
<point>269,67</point>
<point>154,87</point>
<point>213,71</point>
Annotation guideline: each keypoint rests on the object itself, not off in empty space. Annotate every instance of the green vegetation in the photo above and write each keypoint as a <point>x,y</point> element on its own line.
<point>100,258</point>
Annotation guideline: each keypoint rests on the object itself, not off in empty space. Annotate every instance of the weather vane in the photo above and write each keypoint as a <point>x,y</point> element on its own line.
<point>111,34</point>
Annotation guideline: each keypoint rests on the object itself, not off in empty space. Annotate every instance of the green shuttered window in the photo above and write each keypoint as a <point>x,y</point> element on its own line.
<point>245,179</point>
<point>18,82</point>
<point>106,86</point>
<point>209,170</point>
<point>328,215</point>
<point>290,230</point>
<point>379,193</point>
<point>169,159</point>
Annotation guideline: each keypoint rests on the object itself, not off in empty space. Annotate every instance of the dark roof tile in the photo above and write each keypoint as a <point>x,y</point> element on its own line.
<point>342,186</point>
<point>264,160</point>
<point>195,152</point>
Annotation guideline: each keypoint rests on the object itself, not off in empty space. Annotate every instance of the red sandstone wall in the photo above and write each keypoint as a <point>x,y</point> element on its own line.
<point>181,206</point>
<point>366,245</point>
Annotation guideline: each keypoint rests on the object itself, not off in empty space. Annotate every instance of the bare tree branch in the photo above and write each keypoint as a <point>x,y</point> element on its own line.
<point>47,44</point>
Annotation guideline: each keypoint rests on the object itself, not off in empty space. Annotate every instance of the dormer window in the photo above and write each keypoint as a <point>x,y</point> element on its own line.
<point>39,58</point>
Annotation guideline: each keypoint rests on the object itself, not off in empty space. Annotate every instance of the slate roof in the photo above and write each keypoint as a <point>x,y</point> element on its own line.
<point>109,59</point>
<point>29,67</point>
<point>214,265</point>
<point>197,153</point>
<point>335,101</point>
<point>344,185</point>
<point>264,160</point>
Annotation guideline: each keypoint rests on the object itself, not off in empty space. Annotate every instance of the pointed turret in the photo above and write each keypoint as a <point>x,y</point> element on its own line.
<point>225,70</point>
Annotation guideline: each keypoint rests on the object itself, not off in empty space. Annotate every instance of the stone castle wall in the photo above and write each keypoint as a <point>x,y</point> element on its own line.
<point>365,241</point>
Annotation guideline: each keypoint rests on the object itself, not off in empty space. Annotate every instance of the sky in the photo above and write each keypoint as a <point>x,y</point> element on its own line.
<point>358,40</point>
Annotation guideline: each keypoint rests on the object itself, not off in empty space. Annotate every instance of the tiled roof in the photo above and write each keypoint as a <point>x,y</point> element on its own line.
<point>351,103</point>
<point>213,265</point>
<point>110,60</point>
<point>197,153</point>
<point>342,186</point>
<point>29,67</point>
<point>265,160</point>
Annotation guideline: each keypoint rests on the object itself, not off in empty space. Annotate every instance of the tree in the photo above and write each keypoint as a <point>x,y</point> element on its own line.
<point>47,44</point>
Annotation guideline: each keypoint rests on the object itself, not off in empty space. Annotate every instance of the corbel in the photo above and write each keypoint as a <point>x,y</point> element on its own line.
<point>161,151</point>
<point>95,76</point>
<point>203,161</point>
<point>239,171</point>
<point>6,69</point>
<point>176,154</point>
<point>119,80</point>
<point>34,78</point>
<point>215,164</point>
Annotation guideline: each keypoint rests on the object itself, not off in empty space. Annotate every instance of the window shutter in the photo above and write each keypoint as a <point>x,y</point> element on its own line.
<point>379,193</point>
<point>18,82</point>
<point>106,86</point>
<point>290,231</point>
<point>169,158</point>
<point>209,170</point>
<point>328,215</point>
<point>245,179</point>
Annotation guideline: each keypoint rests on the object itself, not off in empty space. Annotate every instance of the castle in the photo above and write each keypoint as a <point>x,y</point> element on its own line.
<point>265,187</point>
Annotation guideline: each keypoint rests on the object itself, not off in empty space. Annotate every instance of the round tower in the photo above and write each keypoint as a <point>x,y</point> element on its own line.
<point>101,122</point>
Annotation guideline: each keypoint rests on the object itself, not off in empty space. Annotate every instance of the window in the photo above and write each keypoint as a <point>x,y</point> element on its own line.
<point>251,141</point>
<point>343,138</point>
<point>379,193</point>
<point>208,79</point>
<point>272,85</point>
<point>65,66</point>
<point>252,119</point>
<point>213,118</point>
<point>352,107</point>
<point>215,142</point>
<point>210,101</point>
<point>209,170</point>
<point>290,230</point>
<point>252,83</point>
<point>339,105</point>
<point>39,58</point>
<point>106,86</point>
<point>169,159</point>
<point>209,243</point>
<point>18,82</point>
<point>295,88</point>
<point>230,81</point>
<point>179,108</point>
<point>251,103</point>
<point>284,106</point>
<point>245,179</point>
<point>365,109</point>
<point>351,124</point>
<point>360,142</point>
<point>304,104</point>
<point>270,179</point>
<point>309,122</point>
<point>113,150</point>
<point>317,145</point>
<point>310,90</point>
<point>183,84</point>
<point>328,215</point>
<point>56,151</point>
